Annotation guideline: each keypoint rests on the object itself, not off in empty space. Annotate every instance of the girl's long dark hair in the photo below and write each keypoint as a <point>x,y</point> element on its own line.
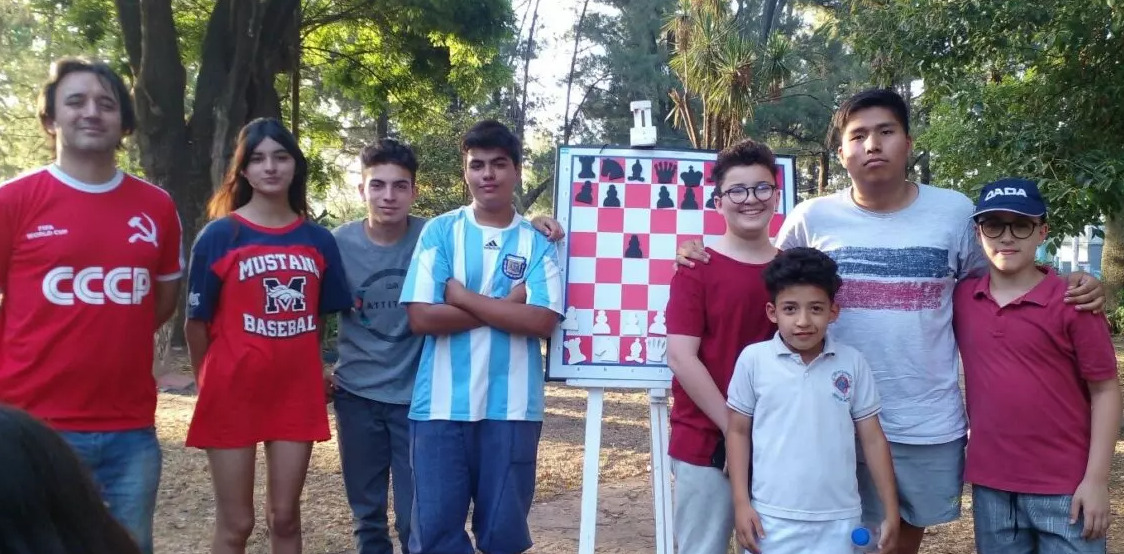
<point>236,191</point>
<point>49,504</point>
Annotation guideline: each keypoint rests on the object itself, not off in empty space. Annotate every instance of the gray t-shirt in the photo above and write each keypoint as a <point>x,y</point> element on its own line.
<point>378,353</point>
<point>899,270</point>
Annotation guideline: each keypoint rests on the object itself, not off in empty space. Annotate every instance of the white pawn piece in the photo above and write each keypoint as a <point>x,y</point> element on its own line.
<point>571,321</point>
<point>657,347</point>
<point>573,350</point>
<point>634,352</point>
<point>630,327</point>
<point>659,325</point>
<point>601,325</point>
<point>606,349</point>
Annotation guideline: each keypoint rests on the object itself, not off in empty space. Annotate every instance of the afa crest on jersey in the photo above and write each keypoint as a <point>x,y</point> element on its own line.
<point>514,266</point>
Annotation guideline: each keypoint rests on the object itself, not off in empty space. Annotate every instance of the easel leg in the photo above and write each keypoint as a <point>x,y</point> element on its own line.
<point>590,470</point>
<point>661,472</point>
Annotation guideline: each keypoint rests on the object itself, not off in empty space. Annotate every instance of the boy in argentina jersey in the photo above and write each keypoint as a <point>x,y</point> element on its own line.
<point>485,287</point>
<point>262,290</point>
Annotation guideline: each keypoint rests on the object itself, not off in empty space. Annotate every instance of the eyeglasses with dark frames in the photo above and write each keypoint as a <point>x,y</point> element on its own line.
<point>1020,228</point>
<point>739,194</point>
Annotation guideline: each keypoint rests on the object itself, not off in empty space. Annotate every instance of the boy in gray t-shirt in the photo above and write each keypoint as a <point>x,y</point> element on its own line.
<point>373,381</point>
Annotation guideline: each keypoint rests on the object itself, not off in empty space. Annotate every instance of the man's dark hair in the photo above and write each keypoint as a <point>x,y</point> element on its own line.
<point>112,81</point>
<point>743,153</point>
<point>870,98</point>
<point>390,151</point>
<point>493,134</point>
<point>802,266</point>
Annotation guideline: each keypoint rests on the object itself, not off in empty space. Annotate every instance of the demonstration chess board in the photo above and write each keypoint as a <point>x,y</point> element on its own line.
<point>625,212</point>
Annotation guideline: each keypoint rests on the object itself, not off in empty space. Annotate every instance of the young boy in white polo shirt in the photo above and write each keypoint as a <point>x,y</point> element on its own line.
<point>804,397</point>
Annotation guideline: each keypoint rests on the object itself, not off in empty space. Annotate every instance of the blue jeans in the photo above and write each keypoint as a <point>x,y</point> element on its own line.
<point>1017,523</point>
<point>126,469</point>
<point>374,442</point>
<point>490,464</point>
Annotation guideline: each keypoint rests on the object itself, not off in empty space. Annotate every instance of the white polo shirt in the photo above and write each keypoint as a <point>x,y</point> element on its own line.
<point>804,427</point>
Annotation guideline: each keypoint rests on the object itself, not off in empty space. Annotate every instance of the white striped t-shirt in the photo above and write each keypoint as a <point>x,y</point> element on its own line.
<point>484,373</point>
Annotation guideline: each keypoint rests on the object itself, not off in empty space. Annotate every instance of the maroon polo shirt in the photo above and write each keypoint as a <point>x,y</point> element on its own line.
<point>1025,369</point>
<point>722,303</point>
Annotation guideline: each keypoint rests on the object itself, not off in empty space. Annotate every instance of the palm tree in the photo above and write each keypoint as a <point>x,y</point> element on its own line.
<point>725,72</point>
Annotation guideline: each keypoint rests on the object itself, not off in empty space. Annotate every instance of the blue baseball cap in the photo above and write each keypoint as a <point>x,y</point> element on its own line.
<point>1019,196</point>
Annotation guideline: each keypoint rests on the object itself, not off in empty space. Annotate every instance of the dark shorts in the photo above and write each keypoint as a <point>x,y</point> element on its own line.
<point>488,464</point>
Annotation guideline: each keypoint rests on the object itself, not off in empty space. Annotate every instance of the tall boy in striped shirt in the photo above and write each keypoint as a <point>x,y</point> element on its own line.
<point>484,287</point>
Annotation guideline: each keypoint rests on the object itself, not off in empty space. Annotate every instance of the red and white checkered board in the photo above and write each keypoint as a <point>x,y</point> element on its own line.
<point>603,213</point>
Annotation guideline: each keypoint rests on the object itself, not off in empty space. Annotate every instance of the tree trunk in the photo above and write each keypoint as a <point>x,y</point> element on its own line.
<point>1112,258</point>
<point>566,120</point>
<point>382,125</point>
<point>821,186</point>
<point>521,114</point>
<point>247,43</point>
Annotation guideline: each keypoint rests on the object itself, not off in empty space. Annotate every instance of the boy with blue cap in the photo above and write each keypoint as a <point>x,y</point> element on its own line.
<point>1041,386</point>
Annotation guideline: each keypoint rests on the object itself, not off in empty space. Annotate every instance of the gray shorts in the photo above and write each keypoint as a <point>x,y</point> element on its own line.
<point>930,480</point>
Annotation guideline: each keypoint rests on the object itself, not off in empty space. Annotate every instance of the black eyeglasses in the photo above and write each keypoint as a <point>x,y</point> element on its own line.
<point>1020,228</point>
<point>739,194</point>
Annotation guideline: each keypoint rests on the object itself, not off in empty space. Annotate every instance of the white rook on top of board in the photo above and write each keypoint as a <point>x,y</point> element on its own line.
<point>643,132</point>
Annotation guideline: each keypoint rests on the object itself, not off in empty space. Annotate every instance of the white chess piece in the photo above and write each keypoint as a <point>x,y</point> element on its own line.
<point>573,349</point>
<point>601,325</point>
<point>634,352</point>
<point>659,326</point>
<point>631,326</point>
<point>656,349</point>
<point>605,349</point>
<point>571,321</point>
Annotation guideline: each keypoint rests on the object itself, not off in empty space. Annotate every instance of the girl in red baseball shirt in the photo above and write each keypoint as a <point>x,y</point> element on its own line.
<point>262,276</point>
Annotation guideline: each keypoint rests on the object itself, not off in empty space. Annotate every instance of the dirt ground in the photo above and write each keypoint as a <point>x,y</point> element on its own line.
<point>185,509</point>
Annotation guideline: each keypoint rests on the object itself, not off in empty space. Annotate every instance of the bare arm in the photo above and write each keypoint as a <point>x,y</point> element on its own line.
<point>876,450</point>
<point>167,298</point>
<point>683,359</point>
<point>513,317</point>
<point>440,319</point>
<point>1091,496</point>
<point>198,340</point>
<point>739,448</point>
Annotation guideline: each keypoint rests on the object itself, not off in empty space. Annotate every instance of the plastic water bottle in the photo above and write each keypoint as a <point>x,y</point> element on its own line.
<point>865,539</point>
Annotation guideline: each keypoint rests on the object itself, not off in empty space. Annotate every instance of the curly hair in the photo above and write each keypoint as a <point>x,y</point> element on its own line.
<point>802,266</point>
<point>743,153</point>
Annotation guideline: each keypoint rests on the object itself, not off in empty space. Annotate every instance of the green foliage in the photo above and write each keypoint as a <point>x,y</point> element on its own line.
<point>1015,88</point>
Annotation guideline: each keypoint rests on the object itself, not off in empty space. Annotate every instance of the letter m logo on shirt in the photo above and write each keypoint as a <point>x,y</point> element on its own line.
<point>288,297</point>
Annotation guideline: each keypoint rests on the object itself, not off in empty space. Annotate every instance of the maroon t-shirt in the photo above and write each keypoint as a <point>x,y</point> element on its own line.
<point>723,303</point>
<point>1025,370</point>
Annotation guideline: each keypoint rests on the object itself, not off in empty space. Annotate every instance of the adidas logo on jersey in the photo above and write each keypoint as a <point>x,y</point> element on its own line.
<point>120,285</point>
<point>1005,191</point>
<point>492,245</point>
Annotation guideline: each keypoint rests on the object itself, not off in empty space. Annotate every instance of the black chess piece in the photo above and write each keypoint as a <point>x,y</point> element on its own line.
<point>713,196</point>
<point>665,172</point>
<point>665,199</point>
<point>689,201</point>
<point>691,178</point>
<point>587,167</point>
<point>637,172</point>
<point>611,170</point>
<point>611,199</point>
<point>633,250</point>
<point>585,195</point>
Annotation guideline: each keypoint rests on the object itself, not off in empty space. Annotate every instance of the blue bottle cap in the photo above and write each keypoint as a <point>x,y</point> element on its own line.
<point>860,536</point>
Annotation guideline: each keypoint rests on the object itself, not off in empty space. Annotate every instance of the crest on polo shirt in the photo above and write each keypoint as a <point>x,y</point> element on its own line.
<point>514,266</point>
<point>843,385</point>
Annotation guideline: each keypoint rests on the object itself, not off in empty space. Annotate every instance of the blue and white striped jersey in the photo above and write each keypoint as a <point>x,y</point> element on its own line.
<point>484,373</point>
